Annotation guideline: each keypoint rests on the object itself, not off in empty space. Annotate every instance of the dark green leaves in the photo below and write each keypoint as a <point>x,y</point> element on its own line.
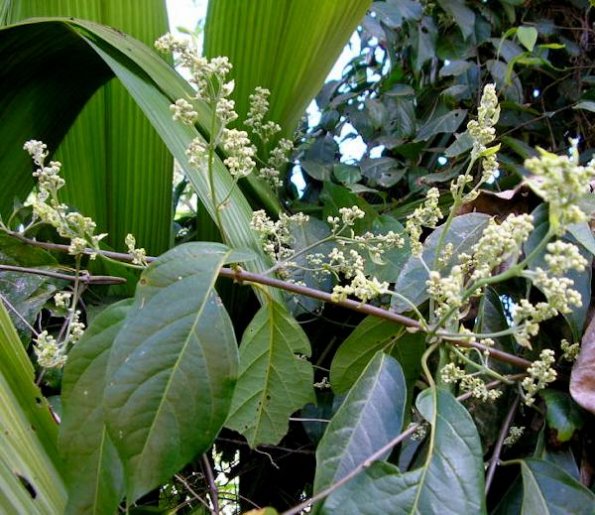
<point>549,490</point>
<point>275,379</point>
<point>370,417</point>
<point>451,478</point>
<point>172,368</point>
<point>94,471</point>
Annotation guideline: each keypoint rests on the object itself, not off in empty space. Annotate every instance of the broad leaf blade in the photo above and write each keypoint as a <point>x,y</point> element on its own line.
<point>548,490</point>
<point>117,169</point>
<point>371,415</point>
<point>274,380</point>
<point>450,479</point>
<point>94,472</point>
<point>582,380</point>
<point>172,367</point>
<point>28,452</point>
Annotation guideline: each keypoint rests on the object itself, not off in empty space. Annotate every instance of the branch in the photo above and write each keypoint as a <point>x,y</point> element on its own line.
<point>206,465</point>
<point>85,277</point>
<point>241,276</point>
<point>495,459</point>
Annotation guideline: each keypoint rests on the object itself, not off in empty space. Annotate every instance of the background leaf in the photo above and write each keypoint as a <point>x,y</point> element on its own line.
<point>464,232</point>
<point>94,472</point>
<point>172,367</point>
<point>274,380</point>
<point>582,380</point>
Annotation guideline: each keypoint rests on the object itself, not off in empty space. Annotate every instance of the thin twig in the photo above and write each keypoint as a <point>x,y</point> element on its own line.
<point>241,276</point>
<point>85,277</point>
<point>214,492</point>
<point>192,491</point>
<point>495,459</point>
<point>356,470</point>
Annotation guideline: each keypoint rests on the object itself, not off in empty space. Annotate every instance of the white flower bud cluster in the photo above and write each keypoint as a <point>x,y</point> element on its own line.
<point>426,215</point>
<point>557,290</point>
<point>482,130</point>
<point>79,229</point>
<point>259,107</point>
<point>277,158</point>
<point>240,151</point>
<point>500,242</point>
<point>62,299</point>
<point>184,112</point>
<point>514,435</point>
<point>561,181</point>
<point>447,292</point>
<point>541,374</point>
<point>361,287</point>
<point>139,256</point>
<point>562,256</point>
<point>50,354</point>
<point>276,236</point>
<point>452,374</point>
<point>570,350</point>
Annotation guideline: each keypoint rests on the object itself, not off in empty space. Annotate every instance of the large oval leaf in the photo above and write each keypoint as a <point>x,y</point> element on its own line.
<point>548,490</point>
<point>451,478</point>
<point>464,232</point>
<point>371,416</point>
<point>94,472</point>
<point>172,367</point>
<point>274,379</point>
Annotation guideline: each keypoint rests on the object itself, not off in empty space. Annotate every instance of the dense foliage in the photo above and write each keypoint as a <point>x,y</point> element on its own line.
<point>405,330</point>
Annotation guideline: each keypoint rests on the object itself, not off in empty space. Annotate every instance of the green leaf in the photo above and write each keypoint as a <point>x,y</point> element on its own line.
<point>274,380</point>
<point>316,170</point>
<point>26,293</point>
<point>306,235</point>
<point>448,122</point>
<point>94,472</point>
<point>172,367</point>
<point>347,174</point>
<point>384,171</point>
<point>463,233</point>
<point>28,453</point>
<point>392,261</point>
<point>549,490</point>
<point>371,415</point>
<point>463,16</point>
<point>369,337</point>
<point>527,36</point>
<point>451,478</point>
<point>583,235</point>
<point>117,169</point>
<point>563,416</point>
<point>276,55</point>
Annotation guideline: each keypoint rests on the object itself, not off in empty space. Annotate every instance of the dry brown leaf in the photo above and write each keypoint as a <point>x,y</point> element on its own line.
<point>582,378</point>
<point>518,200</point>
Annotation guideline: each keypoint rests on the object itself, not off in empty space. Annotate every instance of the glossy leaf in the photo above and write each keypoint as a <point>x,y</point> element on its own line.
<point>30,479</point>
<point>451,477</point>
<point>94,472</point>
<point>371,415</point>
<point>463,16</point>
<point>275,379</point>
<point>172,367</point>
<point>549,490</point>
<point>464,232</point>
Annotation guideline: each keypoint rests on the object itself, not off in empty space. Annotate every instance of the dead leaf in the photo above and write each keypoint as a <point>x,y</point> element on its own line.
<point>582,378</point>
<point>518,200</point>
